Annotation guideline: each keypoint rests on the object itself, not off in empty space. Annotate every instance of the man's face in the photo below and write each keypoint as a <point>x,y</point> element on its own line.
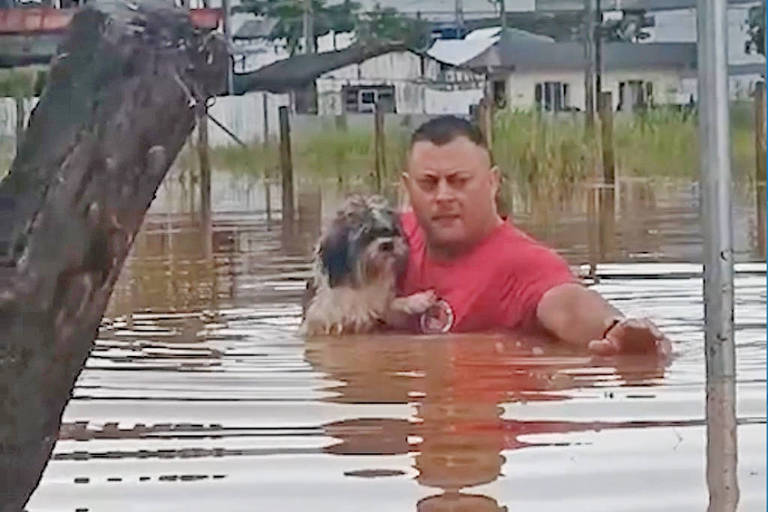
<point>452,189</point>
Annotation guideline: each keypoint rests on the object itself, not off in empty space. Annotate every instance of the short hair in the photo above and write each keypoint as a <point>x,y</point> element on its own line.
<point>444,129</point>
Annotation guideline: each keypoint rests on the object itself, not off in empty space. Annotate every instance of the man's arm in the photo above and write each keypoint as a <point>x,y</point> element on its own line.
<point>583,318</point>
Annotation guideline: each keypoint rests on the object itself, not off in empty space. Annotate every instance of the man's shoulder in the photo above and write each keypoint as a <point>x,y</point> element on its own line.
<point>516,249</point>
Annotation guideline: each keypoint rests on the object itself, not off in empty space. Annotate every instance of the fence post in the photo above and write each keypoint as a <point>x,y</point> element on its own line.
<point>265,153</point>
<point>593,229</point>
<point>205,163</point>
<point>606,126</point>
<point>379,146</point>
<point>760,132</point>
<point>205,181</point>
<point>286,166</point>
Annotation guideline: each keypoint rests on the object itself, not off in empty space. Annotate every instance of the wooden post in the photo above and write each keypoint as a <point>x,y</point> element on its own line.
<point>760,133</point>
<point>19,122</point>
<point>483,118</point>
<point>606,124</point>
<point>286,166</point>
<point>205,181</point>
<point>593,221</point>
<point>267,162</point>
<point>380,167</point>
<point>265,111</point>
<point>488,122</point>
<point>205,164</point>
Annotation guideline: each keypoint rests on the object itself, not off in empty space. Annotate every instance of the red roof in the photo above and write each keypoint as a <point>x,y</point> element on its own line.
<point>49,20</point>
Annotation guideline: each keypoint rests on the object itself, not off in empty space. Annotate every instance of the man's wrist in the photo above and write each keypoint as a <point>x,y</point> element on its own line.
<point>611,323</point>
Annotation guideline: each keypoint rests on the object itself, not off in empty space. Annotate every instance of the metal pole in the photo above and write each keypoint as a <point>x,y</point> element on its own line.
<point>589,79</point>
<point>503,14</point>
<point>718,254</point>
<point>598,37</point>
<point>459,7</point>
<point>225,26</point>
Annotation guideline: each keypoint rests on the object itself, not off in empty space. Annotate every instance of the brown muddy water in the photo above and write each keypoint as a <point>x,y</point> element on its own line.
<point>200,396</point>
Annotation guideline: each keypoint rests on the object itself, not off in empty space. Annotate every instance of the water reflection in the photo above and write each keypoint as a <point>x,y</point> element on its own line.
<point>458,387</point>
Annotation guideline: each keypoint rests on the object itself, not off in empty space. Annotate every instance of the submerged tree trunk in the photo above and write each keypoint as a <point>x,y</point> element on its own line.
<point>117,109</point>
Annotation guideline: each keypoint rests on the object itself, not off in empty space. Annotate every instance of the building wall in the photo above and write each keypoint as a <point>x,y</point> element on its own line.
<point>453,93</point>
<point>668,86</point>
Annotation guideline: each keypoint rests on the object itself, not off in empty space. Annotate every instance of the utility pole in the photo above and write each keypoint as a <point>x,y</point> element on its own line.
<point>309,27</point>
<point>503,15</point>
<point>460,16</point>
<point>225,26</point>
<point>599,51</point>
<point>589,79</point>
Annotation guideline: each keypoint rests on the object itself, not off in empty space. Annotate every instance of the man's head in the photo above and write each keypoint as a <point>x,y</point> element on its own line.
<point>452,184</point>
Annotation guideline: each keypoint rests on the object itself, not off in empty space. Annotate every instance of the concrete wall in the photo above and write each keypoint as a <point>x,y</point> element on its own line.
<point>668,86</point>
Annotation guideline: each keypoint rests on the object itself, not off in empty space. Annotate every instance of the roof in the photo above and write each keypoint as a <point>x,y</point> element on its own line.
<point>300,70</point>
<point>459,51</point>
<point>533,56</point>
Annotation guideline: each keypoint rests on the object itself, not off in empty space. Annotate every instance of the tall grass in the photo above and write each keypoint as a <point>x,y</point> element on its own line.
<point>542,155</point>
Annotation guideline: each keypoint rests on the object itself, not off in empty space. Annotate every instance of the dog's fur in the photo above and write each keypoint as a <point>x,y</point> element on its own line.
<point>357,263</point>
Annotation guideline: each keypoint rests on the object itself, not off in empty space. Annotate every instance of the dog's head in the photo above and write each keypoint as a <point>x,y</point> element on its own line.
<point>363,243</point>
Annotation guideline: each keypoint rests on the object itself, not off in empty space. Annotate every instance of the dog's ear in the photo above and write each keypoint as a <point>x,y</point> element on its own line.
<point>335,254</point>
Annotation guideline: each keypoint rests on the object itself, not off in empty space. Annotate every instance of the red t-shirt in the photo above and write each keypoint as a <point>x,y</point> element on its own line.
<point>496,286</point>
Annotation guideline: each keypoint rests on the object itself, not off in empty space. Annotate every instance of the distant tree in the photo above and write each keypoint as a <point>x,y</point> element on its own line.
<point>376,26</point>
<point>756,29</point>
<point>289,14</point>
<point>387,25</point>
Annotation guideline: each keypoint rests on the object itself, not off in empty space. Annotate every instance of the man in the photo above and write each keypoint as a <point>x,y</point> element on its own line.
<point>486,274</point>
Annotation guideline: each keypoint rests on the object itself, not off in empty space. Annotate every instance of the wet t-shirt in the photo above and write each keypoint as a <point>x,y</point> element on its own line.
<point>495,286</point>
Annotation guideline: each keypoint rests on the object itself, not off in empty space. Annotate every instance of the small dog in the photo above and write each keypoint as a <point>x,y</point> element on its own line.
<point>357,263</point>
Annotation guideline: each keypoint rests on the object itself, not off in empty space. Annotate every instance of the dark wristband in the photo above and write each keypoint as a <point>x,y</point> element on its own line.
<point>616,321</point>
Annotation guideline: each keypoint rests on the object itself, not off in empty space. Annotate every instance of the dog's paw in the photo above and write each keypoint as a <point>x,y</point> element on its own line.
<point>415,304</point>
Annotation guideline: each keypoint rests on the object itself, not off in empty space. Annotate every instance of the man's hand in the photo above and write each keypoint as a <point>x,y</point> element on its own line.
<point>581,317</point>
<point>631,336</point>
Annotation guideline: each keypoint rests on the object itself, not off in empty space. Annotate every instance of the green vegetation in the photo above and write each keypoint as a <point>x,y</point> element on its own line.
<point>380,24</point>
<point>22,82</point>
<point>546,156</point>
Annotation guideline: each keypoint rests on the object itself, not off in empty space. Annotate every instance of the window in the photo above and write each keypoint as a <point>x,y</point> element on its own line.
<point>363,98</point>
<point>552,96</point>
<point>500,93</point>
<point>635,94</point>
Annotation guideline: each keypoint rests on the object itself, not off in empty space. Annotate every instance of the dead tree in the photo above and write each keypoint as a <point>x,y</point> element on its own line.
<point>119,104</point>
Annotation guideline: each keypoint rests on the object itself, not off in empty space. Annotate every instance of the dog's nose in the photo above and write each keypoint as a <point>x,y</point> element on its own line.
<point>387,246</point>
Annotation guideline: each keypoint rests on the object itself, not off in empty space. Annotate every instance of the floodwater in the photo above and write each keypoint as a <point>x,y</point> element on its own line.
<point>199,395</point>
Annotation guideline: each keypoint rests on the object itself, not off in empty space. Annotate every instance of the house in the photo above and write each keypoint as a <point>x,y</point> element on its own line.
<point>356,78</point>
<point>403,82</point>
<point>550,76</point>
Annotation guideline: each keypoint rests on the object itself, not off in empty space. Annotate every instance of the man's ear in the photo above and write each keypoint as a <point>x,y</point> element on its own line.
<point>495,180</point>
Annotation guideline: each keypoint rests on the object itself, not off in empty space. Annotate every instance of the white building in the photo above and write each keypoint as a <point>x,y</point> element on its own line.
<point>550,76</point>
<point>403,82</point>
